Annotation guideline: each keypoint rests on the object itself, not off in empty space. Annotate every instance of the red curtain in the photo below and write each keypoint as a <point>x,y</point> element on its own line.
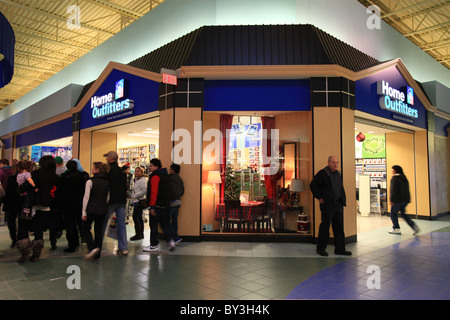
<point>226,120</point>
<point>268,123</point>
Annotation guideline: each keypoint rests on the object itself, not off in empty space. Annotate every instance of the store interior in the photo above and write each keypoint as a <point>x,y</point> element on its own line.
<point>372,175</point>
<point>137,142</point>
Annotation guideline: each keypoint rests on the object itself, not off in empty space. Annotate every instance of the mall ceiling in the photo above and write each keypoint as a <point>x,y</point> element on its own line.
<point>46,42</point>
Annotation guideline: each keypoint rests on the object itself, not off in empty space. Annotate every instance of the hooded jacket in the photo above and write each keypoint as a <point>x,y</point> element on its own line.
<point>399,190</point>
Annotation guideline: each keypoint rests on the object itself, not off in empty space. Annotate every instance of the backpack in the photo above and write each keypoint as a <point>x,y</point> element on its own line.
<point>177,186</point>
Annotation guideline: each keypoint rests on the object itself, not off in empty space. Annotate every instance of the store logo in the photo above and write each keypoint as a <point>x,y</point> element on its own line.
<point>394,100</point>
<point>120,90</point>
<point>106,105</point>
<point>410,95</point>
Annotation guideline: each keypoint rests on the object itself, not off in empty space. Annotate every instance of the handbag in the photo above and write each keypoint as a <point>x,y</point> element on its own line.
<point>143,203</point>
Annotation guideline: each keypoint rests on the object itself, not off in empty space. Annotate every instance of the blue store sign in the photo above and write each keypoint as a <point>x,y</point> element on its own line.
<point>386,94</point>
<point>120,96</point>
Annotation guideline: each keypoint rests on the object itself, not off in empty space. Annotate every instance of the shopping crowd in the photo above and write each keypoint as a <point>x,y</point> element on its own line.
<point>56,197</point>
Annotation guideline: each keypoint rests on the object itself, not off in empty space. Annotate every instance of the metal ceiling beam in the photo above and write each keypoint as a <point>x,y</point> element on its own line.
<point>444,25</point>
<point>41,56</point>
<point>407,9</point>
<point>52,16</point>
<point>416,13</point>
<point>19,65</point>
<point>60,43</point>
<point>117,8</point>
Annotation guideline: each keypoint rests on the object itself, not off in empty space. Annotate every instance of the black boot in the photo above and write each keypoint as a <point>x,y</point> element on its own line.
<point>139,233</point>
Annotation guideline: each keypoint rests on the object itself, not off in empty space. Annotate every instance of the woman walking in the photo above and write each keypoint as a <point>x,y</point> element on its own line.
<point>95,208</point>
<point>400,197</point>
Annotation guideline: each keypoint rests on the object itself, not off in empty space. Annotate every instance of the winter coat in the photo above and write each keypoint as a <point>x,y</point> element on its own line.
<point>399,189</point>
<point>321,186</point>
<point>46,182</point>
<point>5,172</point>
<point>140,188</point>
<point>95,199</point>
<point>71,191</point>
<point>159,189</point>
<point>12,200</point>
<point>117,184</point>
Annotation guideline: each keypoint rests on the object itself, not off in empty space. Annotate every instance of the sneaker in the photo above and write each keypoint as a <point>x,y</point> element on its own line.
<point>395,231</point>
<point>172,245</point>
<point>177,242</point>
<point>416,230</point>
<point>91,255</point>
<point>151,248</point>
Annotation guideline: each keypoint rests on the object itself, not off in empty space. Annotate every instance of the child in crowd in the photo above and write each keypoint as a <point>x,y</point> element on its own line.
<point>24,174</point>
<point>24,169</point>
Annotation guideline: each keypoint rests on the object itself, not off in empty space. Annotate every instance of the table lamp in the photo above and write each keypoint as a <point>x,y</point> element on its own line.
<point>297,186</point>
<point>213,178</point>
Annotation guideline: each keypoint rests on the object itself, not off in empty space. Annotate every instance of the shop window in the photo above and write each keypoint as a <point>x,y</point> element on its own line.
<point>245,160</point>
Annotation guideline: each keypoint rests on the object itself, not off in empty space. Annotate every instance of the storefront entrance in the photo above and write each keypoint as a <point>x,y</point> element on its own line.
<point>378,147</point>
<point>135,142</point>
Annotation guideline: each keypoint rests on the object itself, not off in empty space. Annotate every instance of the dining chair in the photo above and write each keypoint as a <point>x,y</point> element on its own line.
<point>231,206</point>
<point>266,219</point>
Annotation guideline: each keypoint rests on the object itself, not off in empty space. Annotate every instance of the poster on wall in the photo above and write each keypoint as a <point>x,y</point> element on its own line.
<point>374,146</point>
<point>24,153</point>
<point>35,153</point>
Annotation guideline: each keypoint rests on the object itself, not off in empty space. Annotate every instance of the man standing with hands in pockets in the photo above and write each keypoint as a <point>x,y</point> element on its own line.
<point>328,188</point>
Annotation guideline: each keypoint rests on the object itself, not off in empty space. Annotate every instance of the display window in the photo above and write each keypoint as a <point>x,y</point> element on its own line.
<point>259,186</point>
<point>55,148</point>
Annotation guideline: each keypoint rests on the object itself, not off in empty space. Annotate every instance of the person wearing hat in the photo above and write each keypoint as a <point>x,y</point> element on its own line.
<point>117,200</point>
<point>60,169</point>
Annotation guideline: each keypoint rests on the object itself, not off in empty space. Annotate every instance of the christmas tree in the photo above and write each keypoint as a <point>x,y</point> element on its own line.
<point>232,185</point>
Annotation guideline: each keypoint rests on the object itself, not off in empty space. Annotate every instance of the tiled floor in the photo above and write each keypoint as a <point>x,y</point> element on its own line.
<point>411,267</point>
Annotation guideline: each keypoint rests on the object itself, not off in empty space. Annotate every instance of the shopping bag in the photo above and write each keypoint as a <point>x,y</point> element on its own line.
<point>112,229</point>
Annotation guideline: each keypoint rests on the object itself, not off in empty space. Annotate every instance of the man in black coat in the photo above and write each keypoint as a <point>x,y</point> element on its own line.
<point>328,188</point>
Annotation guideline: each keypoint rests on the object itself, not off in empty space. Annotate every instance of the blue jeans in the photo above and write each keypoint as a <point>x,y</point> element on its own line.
<point>395,209</point>
<point>119,209</point>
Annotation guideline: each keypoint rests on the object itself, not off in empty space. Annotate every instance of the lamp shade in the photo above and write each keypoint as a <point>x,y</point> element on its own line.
<point>214,177</point>
<point>297,185</point>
